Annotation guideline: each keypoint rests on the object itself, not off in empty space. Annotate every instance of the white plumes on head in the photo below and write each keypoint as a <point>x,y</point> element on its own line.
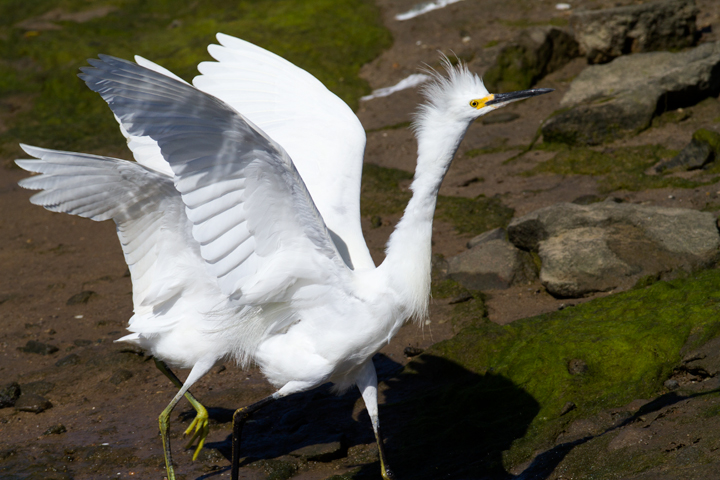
<point>444,92</point>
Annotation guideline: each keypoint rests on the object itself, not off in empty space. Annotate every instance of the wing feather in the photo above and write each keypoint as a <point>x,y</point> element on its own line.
<point>205,142</point>
<point>144,204</point>
<point>318,130</point>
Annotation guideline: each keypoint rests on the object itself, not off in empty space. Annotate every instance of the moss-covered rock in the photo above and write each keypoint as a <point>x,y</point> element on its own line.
<point>622,168</point>
<point>494,395</point>
<point>532,55</point>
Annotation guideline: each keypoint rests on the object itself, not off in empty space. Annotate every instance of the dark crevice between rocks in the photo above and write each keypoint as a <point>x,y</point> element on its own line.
<point>691,95</point>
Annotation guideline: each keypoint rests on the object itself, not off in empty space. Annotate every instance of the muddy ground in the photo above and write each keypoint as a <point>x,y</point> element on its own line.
<point>107,397</point>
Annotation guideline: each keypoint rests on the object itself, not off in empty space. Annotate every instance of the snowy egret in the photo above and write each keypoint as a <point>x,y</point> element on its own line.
<point>240,220</point>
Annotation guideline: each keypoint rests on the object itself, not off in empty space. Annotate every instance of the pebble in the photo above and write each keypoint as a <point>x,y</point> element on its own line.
<point>32,403</point>
<point>671,384</point>
<point>33,346</point>
<point>412,351</point>
<point>577,366</point>
<point>9,394</point>
<point>55,430</point>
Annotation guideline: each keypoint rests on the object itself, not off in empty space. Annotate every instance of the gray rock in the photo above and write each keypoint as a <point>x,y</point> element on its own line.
<point>492,264</point>
<point>532,55</point>
<point>494,234</point>
<point>659,25</point>
<point>671,384</point>
<point>702,149</point>
<point>607,245</point>
<point>32,403</point>
<point>9,394</point>
<point>704,361</point>
<point>40,348</point>
<point>695,155</point>
<point>610,101</point>
<point>579,261</point>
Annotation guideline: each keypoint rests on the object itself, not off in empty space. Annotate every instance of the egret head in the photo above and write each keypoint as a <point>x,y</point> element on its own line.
<point>461,95</point>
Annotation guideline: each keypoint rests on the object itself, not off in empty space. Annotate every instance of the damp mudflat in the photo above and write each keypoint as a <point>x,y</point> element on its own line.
<point>484,400</point>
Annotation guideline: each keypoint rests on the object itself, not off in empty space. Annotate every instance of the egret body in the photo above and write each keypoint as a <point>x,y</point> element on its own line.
<point>240,220</point>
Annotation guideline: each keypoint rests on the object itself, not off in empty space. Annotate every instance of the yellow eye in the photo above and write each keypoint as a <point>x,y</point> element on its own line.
<point>474,103</point>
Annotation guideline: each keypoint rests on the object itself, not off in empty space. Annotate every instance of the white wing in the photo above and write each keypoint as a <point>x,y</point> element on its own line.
<point>256,224</point>
<point>147,209</point>
<point>319,131</point>
<point>145,149</point>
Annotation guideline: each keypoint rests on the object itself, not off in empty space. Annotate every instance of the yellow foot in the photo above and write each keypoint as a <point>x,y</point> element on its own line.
<point>387,474</point>
<point>201,426</point>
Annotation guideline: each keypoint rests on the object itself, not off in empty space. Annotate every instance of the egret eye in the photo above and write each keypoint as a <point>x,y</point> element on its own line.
<point>474,103</point>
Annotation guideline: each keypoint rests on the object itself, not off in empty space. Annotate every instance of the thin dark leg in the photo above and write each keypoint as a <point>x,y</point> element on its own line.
<point>239,418</point>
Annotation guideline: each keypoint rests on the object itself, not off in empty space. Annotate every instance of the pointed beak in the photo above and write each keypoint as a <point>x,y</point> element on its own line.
<point>502,99</point>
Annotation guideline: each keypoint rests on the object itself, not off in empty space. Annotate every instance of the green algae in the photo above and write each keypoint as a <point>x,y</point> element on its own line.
<point>470,307</point>
<point>620,168</point>
<point>630,343</point>
<point>709,137</point>
<point>381,194</point>
<point>331,40</point>
<point>473,215</point>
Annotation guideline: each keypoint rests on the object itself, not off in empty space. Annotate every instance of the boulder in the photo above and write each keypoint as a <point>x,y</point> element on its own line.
<point>494,234</point>
<point>534,53</point>
<point>608,245</point>
<point>702,150</point>
<point>619,98</point>
<point>612,32</point>
<point>491,264</point>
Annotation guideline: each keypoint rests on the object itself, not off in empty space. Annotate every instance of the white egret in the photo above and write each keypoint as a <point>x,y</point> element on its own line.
<point>240,220</point>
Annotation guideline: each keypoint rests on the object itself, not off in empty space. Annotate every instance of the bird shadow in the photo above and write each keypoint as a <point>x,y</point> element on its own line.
<point>440,420</point>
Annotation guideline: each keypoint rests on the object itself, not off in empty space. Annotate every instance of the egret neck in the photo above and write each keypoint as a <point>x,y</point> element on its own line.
<point>408,261</point>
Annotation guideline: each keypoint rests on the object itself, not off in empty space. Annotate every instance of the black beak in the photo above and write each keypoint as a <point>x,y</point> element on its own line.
<point>502,98</point>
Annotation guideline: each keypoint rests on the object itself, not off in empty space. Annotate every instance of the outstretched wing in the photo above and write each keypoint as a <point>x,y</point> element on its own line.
<point>148,211</point>
<point>256,224</point>
<point>318,130</point>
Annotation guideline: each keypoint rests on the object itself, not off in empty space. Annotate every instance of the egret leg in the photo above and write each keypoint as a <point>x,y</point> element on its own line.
<point>240,416</point>
<point>201,421</point>
<point>200,369</point>
<point>367,383</point>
